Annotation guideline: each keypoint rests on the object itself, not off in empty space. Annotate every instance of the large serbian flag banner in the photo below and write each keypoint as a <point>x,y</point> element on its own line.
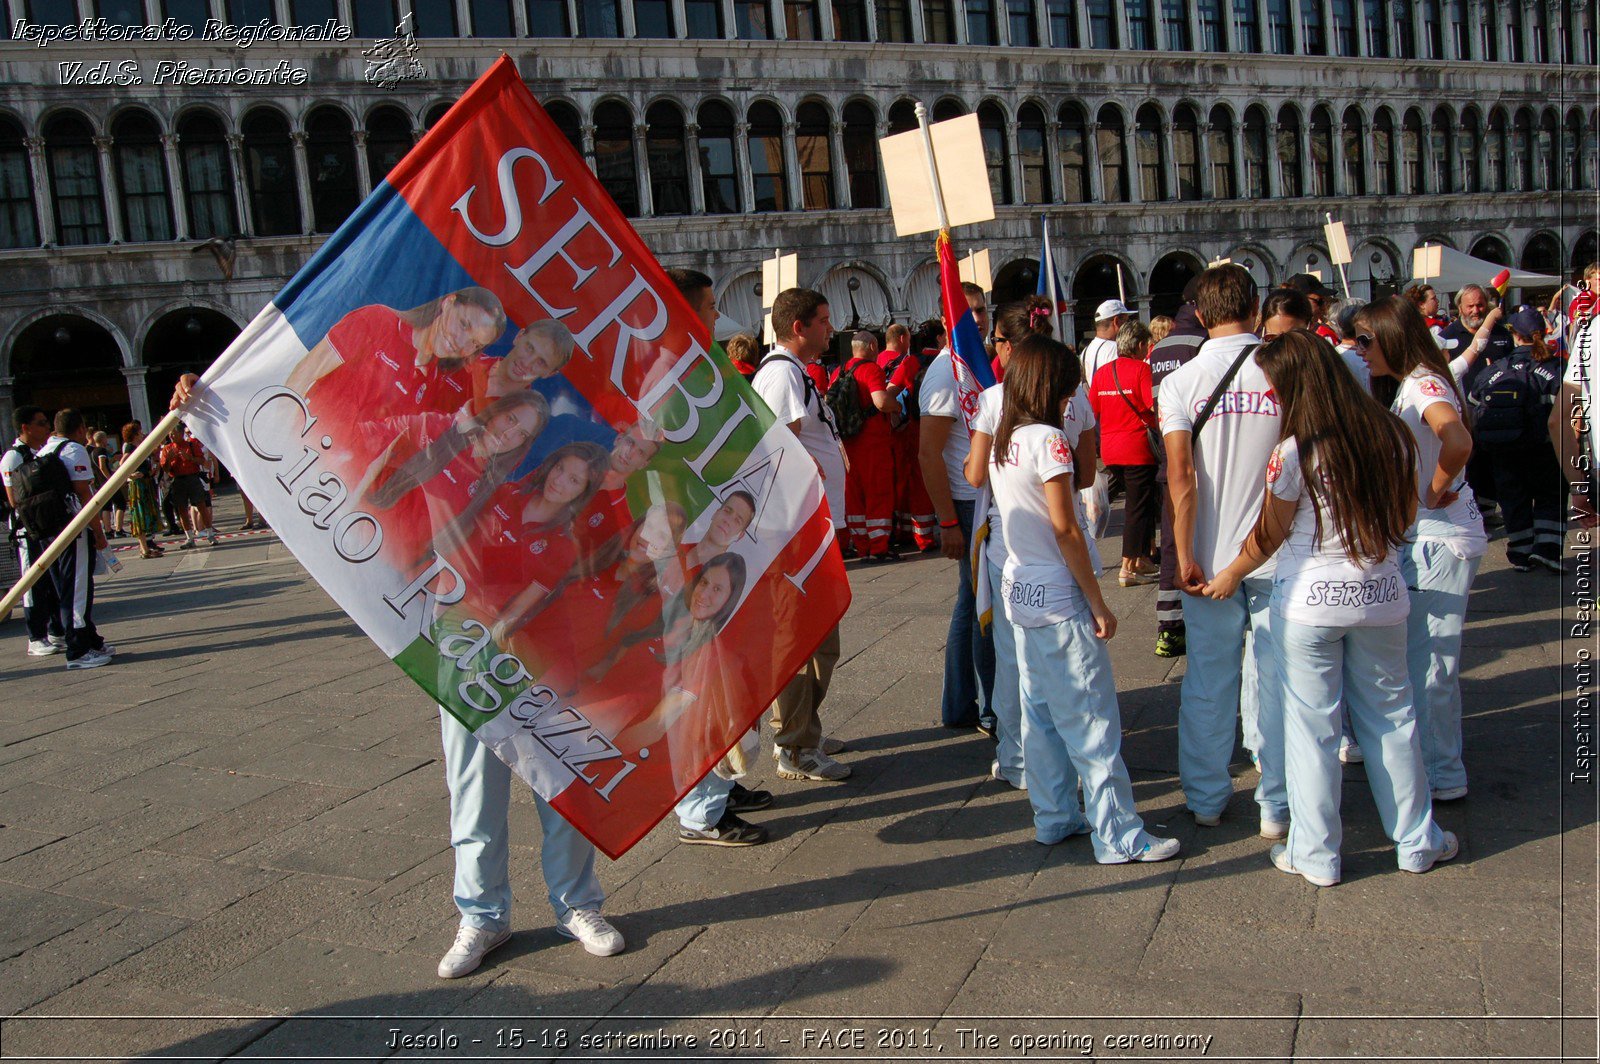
<point>968,359</point>
<point>486,422</point>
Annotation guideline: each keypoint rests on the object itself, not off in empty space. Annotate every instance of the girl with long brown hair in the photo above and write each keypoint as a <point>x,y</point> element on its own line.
<point>1341,494</point>
<point>1072,730</point>
<point>1447,542</point>
<point>1013,323</point>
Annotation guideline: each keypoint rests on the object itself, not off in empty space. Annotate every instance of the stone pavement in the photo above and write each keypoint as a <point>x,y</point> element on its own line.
<point>234,842</point>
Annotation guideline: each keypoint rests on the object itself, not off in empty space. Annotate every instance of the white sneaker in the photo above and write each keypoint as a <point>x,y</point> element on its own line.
<point>1350,752</point>
<point>472,944</point>
<point>210,535</point>
<point>91,659</point>
<point>1449,794</point>
<point>1280,861</point>
<point>1000,777</point>
<point>43,648</point>
<point>809,765</point>
<point>57,641</point>
<point>592,929</point>
<point>1452,848</point>
<point>1207,820</point>
<point>1274,829</point>
<point>1154,850</point>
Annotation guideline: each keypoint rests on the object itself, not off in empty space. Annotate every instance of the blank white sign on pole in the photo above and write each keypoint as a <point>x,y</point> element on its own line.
<point>1338,243</point>
<point>778,274</point>
<point>963,176</point>
<point>975,270</point>
<point>1427,261</point>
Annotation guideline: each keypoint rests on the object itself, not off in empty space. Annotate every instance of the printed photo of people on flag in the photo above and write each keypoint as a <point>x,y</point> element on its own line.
<point>490,426</point>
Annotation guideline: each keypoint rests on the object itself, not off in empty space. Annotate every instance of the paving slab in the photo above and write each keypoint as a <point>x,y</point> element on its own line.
<point>165,883</point>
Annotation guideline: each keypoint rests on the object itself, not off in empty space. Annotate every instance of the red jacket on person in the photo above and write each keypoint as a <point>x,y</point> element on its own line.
<point>1123,415</point>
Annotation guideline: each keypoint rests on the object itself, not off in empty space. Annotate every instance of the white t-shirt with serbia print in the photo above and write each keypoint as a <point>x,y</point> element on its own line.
<point>1459,526</point>
<point>1317,583</point>
<point>1037,587</point>
<point>1077,419</point>
<point>1233,448</point>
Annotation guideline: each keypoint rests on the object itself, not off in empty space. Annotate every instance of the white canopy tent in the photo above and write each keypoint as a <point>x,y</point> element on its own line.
<point>1457,269</point>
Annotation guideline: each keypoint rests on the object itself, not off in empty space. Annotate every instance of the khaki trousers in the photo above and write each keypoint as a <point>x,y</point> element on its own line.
<point>795,723</point>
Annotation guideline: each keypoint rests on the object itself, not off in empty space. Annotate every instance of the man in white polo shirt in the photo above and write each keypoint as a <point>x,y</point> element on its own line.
<point>1216,473</point>
<point>1108,319</point>
<point>803,327</point>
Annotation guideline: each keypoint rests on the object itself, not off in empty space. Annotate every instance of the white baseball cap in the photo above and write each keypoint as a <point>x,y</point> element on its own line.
<point>1111,308</point>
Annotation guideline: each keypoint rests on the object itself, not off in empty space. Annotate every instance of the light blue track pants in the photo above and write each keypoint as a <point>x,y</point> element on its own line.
<point>1072,737</point>
<point>1006,700</point>
<point>1439,582</point>
<point>1209,701</point>
<point>1366,669</point>
<point>480,832</point>
<point>705,803</point>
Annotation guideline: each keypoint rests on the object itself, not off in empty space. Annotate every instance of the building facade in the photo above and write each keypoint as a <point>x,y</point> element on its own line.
<point>156,192</point>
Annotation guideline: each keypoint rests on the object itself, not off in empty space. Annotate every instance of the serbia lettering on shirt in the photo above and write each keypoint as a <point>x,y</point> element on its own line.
<point>1459,525</point>
<point>1038,588</point>
<point>1316,582</point>
<point>1233,449</point>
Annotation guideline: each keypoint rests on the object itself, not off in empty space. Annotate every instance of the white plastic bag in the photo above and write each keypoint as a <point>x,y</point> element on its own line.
<point>1096,502</point>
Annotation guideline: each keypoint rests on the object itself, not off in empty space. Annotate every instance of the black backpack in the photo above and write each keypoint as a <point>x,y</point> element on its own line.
<point>1507,403</point>
<point>41,488</point>
<point>844,399</point>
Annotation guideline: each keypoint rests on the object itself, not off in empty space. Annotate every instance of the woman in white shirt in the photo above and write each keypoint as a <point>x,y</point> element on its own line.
<point>1448,540</point>
<point>1339,508</point>
<point>1071,729</point>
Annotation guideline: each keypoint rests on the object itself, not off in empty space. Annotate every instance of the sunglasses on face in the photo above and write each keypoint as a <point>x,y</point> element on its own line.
<point>1363,340</point>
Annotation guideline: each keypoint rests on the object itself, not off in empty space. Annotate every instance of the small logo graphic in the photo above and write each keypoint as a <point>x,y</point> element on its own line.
<point>1274,466</point>
<point>1434,387</point>
<point>1059,451</point>
<point>394,60</point>
<point>538,546</point>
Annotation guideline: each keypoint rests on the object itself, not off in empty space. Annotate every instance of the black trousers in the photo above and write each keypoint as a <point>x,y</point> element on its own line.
<point>72,576</point>
<point>1169,600</point>
<point>40,605</point>
<point>1532,495</point>
<point>1141,511</point>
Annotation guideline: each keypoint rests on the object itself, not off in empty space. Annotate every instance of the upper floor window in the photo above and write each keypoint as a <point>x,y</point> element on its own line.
<point>1186,151</point>
<point>653,18</point>
<point>207,177</point>
<point>74,168</point>
<point>565,116</point>
<point>434,20</point>
<point>190,13</point>
<point>1020,22</point>
<point>1175,25</point>
<point>939,21</point>
<point>1072,145</point>
<point>1111,146</point>
<point>861,155</point>
<point>1063,18</point>
<point>752,20</point>
<point>312,12</point>
<point>142,178</point>
<point>121,12</point>
<point>667,155</point>
<point>1246,30</point>
<point>1220,142</point>
<point>614,162</point>
<point>1255,154</point>
<point>548,18</point>
<point>800,20</point>
<point>1103,25</point>
<point>270,173</point>
<point>1377,29</point>
<point>1311,30</point>
<point>1141,24</point>
<point>719,172</point>
<point>992,126</point>
<point>1211,35</point>
<point>1150,149</point>
<point>599,18</point>
<point>894,21</point>
<point>249,12</point>
<point>1404,39</point>
<point>815,152</point>
<point>767,171</point>
<point>388,141</point>
<point>331,157</point>
<point>1344,27</point>
<point>703,19</point>
<point>492,18</point>
<point>1321,152</point>
<point>1384,171</point>
<point>18,226</point>
<point>1432,31</point>
<point>1289,159</point>
<point>980,22</point>
<point>374,18</point>
<point>1280,31</point>
<point>850,20</point>
<point>1031,152</point>
<point>1354,144</point>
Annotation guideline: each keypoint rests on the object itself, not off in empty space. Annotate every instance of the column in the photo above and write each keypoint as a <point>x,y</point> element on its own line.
<point>919,27</point>
<point>241,201</point>
<point>791,164</point>
<point>1130,162</point>
<point>780,24</point>
<point>680,20</point>
<point>1202,137</point>
<point>1425,156</point>
<point>1080,15</point>
<point>1014,161</point>
<point>1336,158</point>
<point>1193,10</point>
<point>641,164</point>
<point>1169,162</point>
<point>1119,14</point>
<point>464,26</point>
<point>1052,159</point>
<point>139,394</point>
<point>108,190</point>
<point>840,167</point>
<point>43,194</point>
<point>741,162</point>
<point>1369,156</point>
<point>1305,154</point>
<point>1002,24</point>
<point>586,135</point>
<point>825,17</point>
<point>730,26</point>
<point>180,203</point>
<point>302,176</point>
<point>1363,34</point>
<point>1263,28</point>
<point>363,170</point>
<point>697,187</point>
<point>1097,184</point>
<point>1041,23</point>
<point>519,19</point>
<point>630,26</point>
<point>959,9</point>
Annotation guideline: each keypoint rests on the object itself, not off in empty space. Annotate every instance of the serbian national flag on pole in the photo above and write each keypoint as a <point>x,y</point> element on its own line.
<point>1050,285</point>
<point>486,422</point>
<point>968,358</point>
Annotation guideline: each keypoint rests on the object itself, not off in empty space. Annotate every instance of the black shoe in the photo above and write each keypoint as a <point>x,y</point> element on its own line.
<point>1521,565</point>
<point>987,726</point>
<point>730,831</point>
<point>743,800</point>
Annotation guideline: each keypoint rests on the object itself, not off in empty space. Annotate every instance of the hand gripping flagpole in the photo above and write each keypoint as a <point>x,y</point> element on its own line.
<point>124,472</point>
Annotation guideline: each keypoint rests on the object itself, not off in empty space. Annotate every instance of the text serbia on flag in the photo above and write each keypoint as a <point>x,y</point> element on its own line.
<point>489,426</point>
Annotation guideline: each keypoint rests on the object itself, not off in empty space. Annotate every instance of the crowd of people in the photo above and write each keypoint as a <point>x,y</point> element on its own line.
<point>1307,482</point>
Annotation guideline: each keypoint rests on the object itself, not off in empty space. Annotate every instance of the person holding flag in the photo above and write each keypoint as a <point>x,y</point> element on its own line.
<point>950,393</point>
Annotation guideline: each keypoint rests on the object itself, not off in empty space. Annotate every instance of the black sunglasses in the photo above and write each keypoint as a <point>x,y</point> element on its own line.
<point>1363,340</point>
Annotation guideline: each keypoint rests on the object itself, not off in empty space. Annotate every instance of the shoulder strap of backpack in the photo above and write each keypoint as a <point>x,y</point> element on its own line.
<point>1216,394</point>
